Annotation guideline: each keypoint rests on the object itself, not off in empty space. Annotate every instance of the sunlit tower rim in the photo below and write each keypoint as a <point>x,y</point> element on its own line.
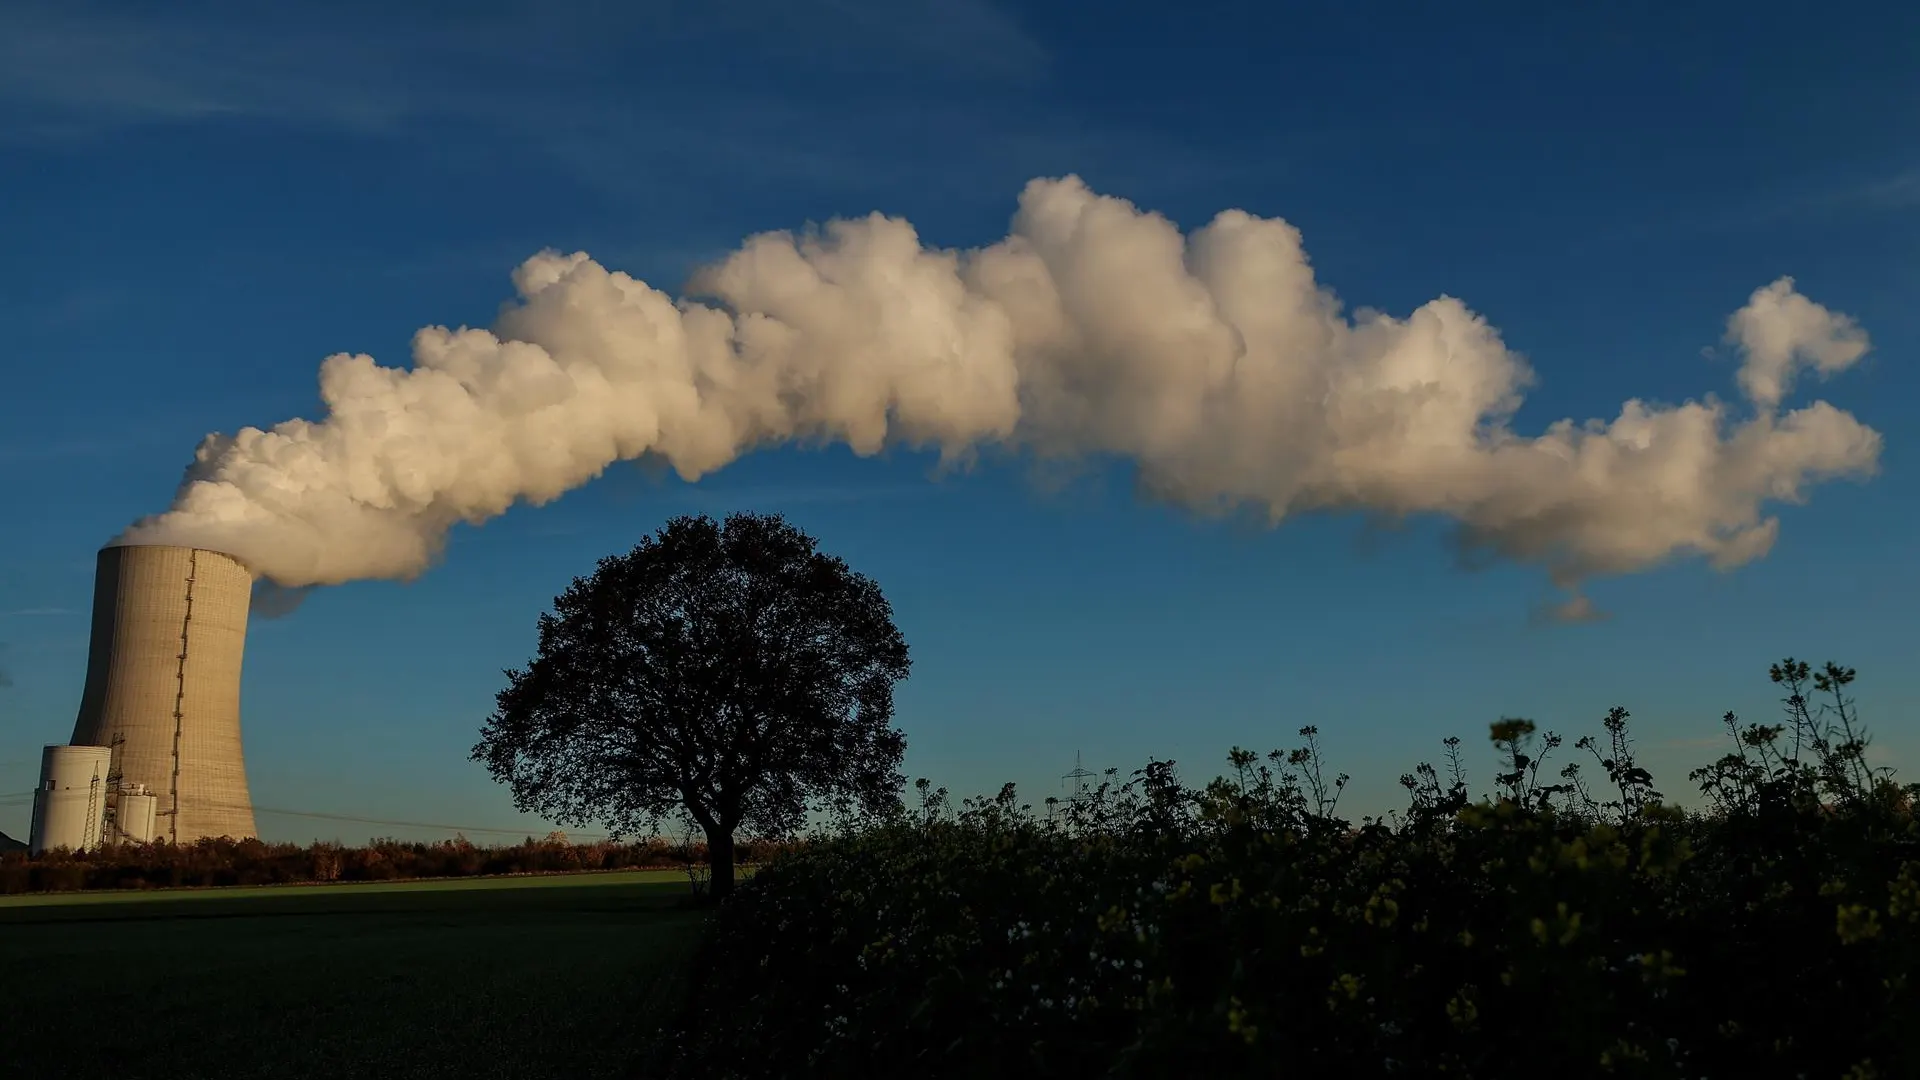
<point>163,683</point>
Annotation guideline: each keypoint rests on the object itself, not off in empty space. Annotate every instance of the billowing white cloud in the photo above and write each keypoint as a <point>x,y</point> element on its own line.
<point>1216,362</point>
<point>1780,332</point>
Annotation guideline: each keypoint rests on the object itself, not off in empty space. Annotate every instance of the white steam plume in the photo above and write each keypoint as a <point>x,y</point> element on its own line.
<point>1780,330</point>
<point>1214,361</point>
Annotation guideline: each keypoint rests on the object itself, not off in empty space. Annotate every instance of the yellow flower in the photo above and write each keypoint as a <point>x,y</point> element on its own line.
<point>1237,1021</point>
<point>1225,891</point>
<point>1381,911</point>
<point>1903,894</point>
<point>1856,922</point>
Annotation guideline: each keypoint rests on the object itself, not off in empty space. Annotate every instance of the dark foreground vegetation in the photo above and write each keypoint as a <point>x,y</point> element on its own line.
<point>253,862</point>
<point>1572,923</point>
<point>503,979</point>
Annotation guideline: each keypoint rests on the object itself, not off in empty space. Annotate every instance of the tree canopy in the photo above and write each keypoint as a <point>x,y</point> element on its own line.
<point>731,671</point>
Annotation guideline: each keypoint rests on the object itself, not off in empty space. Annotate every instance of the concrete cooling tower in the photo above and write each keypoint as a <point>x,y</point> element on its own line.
<point>163,685</point>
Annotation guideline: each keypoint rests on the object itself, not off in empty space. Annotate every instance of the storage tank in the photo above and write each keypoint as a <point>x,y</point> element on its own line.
<point>70,804</point>
<point>163,683</point>
<point>134,814</point>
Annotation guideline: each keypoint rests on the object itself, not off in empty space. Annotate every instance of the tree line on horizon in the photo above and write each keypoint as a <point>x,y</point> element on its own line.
<point>225,862</point>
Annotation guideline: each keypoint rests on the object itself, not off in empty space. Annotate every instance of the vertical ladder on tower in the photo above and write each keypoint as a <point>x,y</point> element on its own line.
<point>180,703</point>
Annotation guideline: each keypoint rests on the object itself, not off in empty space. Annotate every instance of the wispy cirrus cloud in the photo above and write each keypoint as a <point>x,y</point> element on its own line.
<point>81,68</point>
<point>1900,191</point>
<point>1571,611</point>
<point>1889,191</point>
<point>672,104</point>
<point>359,65</point>
<point>968,38</point>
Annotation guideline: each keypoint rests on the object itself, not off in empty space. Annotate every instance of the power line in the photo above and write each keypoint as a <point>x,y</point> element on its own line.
<point>407,824</point>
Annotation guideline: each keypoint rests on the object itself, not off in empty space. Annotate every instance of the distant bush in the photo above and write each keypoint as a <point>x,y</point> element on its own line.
<point>1245,929</point>
<point>254,862</point>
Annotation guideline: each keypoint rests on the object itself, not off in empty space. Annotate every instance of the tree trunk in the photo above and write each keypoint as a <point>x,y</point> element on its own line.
<point>720,862</point>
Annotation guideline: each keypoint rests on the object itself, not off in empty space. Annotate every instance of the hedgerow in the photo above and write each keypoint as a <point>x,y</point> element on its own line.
<point>222,861</point>
<point>1244,928</point>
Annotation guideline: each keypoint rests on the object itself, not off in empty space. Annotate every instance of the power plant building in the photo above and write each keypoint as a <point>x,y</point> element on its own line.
<point>70,802</point>
<point>162,694</point>
<point>135,811</point>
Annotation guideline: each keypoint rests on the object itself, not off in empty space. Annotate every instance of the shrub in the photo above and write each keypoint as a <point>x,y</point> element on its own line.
<point>1244,929</point>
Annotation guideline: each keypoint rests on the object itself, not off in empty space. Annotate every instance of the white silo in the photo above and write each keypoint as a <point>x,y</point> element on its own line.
<point>163,683</point>
<point>70,805</point>
<point>134,812</point>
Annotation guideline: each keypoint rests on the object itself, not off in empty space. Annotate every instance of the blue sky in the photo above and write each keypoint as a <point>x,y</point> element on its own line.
<point>200,202</point>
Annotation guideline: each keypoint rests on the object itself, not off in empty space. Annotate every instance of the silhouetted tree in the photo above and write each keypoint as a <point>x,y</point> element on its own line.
<point>733,672</point>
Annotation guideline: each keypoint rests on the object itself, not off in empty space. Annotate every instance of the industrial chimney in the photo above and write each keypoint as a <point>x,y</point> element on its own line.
<point>163,684</point>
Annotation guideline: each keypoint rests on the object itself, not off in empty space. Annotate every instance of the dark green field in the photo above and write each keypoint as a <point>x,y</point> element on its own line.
<point>516,977</point>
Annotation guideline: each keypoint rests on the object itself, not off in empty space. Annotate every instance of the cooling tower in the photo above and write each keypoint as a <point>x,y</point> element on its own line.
<point>163,684</point>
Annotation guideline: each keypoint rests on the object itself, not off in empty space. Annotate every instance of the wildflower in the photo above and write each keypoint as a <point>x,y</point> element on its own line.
<point>1237,1021</point>
<point>1381,911</point>
<point>1903,900</point>
<point>1857,922</point>
<point>1462,1011</point>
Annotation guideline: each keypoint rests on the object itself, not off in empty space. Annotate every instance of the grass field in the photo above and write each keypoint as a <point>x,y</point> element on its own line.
<point>501,977</point>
